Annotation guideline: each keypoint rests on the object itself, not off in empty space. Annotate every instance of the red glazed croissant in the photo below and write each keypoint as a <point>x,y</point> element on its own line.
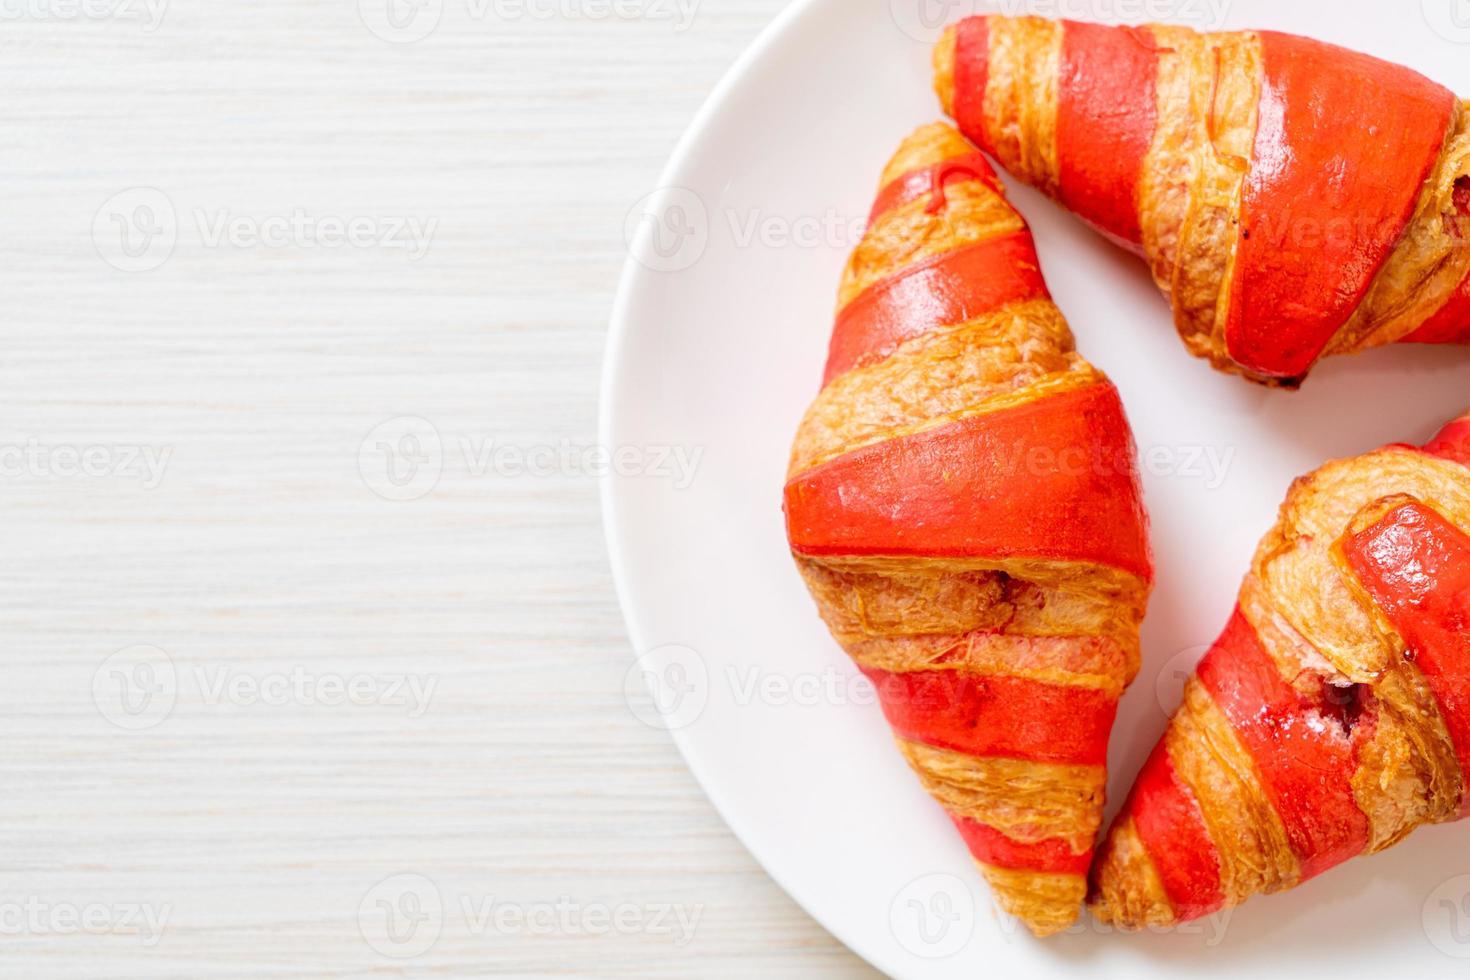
<point>1332,717</point>
<point>964,506</point>
<point>1293,199</point>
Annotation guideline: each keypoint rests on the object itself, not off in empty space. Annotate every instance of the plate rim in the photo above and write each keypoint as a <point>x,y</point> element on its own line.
<point>615,493</point>
<point>613,363</point>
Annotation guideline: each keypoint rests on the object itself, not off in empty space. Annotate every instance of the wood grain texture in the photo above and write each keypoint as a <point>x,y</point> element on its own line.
<point>258,558</point>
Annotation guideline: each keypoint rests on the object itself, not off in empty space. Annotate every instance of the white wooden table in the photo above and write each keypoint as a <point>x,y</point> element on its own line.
<point>313,665</point>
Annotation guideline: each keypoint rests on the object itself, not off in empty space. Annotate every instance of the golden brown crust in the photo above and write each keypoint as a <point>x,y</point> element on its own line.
<point>1224,78</point>
<point>1427,264</point>
<point>1021,98</point>
<point>1071,624</point>
<point>925,145</point>
<point>1027,801</point>
<point>1295,566</point>
<point>913,233</point>
<point>1319,627</point>
<point>1408,774</point>
<point>1065,659</point>
<point>1208,90</point>
<point>1255,855</point>
<point>1169,166</point>
<point>1047,903</point>
<point>943,61</point>
<point>1127,891</point>
<point>1017,353</point>
<point>903,611</point>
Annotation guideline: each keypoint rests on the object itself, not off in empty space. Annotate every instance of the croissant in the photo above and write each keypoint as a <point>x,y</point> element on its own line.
<point>1332,716</point>
<point>963,504</point>
<point>1293,199</point>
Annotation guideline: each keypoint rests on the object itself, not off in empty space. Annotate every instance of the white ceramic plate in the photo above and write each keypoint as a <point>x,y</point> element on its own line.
<point>717,345</point>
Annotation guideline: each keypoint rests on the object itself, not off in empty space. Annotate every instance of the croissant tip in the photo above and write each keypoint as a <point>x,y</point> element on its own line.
<point>1045,903</point>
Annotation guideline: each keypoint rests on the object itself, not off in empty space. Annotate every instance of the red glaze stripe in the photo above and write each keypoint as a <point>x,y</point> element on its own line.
<point>1453,442</point>
<point>996,715</point>
<point>990,846</point>
<point>1416,567</point>
<point>1106,113</point>
<point>971,76</point>
<point>1053,478</point>
<point>1343,145</point>
<point>948,289</point>
<point>929,182</point>
<point>1451,325</point>
<point>1167,817</point>
<point>1304,749</point>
